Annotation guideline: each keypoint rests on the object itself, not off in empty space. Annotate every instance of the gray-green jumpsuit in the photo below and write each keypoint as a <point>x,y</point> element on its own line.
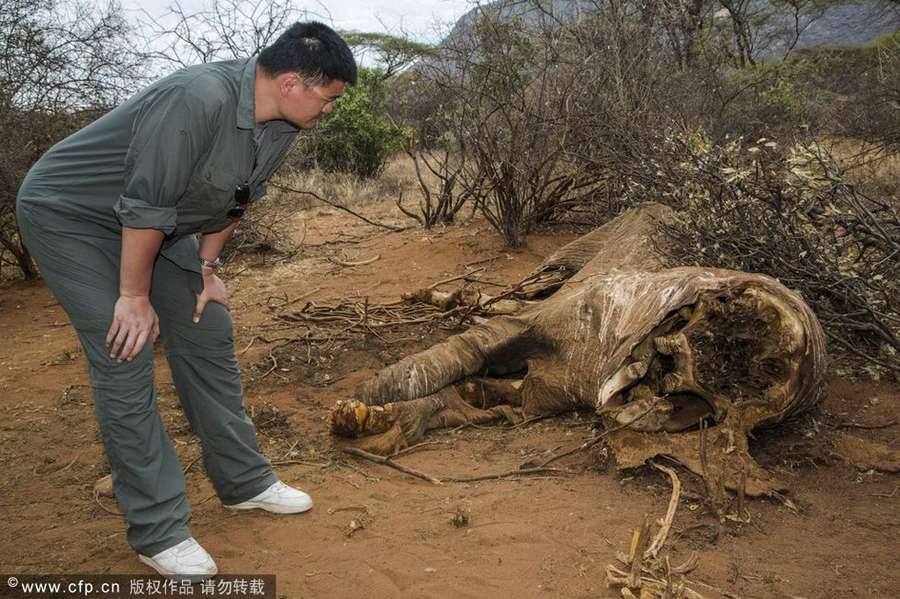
<point>169,159</point>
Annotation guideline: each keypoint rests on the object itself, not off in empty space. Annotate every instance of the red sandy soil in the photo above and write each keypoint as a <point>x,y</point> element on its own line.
<point>539,536</point>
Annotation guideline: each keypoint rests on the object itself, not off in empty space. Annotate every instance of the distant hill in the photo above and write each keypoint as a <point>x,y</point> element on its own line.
<point>849,24</point>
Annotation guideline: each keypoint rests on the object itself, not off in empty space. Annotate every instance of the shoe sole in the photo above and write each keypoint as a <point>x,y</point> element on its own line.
<point>192,578</point>
<point>269,508</point>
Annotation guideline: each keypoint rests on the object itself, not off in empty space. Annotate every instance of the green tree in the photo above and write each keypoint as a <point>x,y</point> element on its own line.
<point>392,54</point>
<point>358,137</point>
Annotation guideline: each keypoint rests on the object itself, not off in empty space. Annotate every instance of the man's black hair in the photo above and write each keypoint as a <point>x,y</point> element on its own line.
<point>313,50</point>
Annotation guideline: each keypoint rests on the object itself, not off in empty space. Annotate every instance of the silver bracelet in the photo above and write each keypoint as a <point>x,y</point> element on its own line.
<point>211,264</point>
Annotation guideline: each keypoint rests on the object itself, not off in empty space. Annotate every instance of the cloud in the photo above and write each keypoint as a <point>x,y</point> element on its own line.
<point>424,20</point>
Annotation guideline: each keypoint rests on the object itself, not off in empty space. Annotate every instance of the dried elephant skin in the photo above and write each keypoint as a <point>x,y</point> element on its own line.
<point>655,350</point>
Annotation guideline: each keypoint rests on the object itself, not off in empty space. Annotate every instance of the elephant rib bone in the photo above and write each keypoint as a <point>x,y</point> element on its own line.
<point>660,538</point>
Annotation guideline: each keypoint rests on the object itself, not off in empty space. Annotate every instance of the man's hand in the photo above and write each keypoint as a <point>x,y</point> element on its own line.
<point>213,291</point>
<point>134,319</point>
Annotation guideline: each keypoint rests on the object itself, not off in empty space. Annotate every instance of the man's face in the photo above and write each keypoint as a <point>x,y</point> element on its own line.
<point>304,105</point>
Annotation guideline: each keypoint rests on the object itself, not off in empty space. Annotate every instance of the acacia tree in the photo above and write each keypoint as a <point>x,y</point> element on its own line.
<point>393,54</point>
<point>61,62</point>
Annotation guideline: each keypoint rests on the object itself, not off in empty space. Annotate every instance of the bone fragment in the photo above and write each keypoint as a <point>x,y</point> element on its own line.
<point>742,491</point>
<point>626,376</point>
<point>636,555</point>
<point>104,487</point>
<point>660,538</point>
<point>360,263</point>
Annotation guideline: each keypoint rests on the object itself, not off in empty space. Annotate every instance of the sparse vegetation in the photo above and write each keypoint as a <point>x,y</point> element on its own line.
<point>793,214</point>
<point>530,115</point>
<point>384,235</point>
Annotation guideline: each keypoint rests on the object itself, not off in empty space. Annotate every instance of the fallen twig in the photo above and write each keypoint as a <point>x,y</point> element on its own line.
<point>849,346</point>
<point>293,301</point>
<point>190,464</point>
<point>57,471</point>
<point>594,440</point>
<point>515,289</point>
<point>865,426</point>
<point>518,472</point>
<point>272,369</point>
<point>886,495</point>
<point>412,448</point>
<point>455,278</point>
<point>105,509</point>
<point>358,508</point>
<point>387,461</point>
<point>339,207</point>
<point>360,263</point>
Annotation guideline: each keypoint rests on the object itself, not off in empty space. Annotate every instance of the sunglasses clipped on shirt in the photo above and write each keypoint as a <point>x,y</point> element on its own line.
<point>242,197</point>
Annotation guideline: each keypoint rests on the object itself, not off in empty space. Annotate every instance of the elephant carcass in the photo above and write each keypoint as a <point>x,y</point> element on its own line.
<point>655,350</point>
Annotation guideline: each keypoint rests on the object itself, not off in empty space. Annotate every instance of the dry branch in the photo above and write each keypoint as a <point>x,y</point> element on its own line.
<point>387,461</point>
<point>865,426</point>
<point>340,207</point>
<point>360,263</point>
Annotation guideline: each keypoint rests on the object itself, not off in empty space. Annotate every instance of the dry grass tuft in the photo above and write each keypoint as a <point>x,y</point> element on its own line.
<point>398,177</point>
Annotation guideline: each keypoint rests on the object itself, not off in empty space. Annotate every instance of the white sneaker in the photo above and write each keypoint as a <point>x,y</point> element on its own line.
<point>186,560</point>
<point>279,499</point>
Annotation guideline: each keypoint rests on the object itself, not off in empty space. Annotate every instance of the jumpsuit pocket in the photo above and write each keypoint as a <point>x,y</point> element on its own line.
<point>207,200</point>
<point>220,179</point>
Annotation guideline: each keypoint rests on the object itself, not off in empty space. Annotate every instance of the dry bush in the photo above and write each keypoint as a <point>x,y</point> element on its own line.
<point>866,81</point>
<point>537,116</point>
<point>57,59</point>
<point>525,111</point>
<point>263,230</point>
<point>438,174</point>
<point>790,213</point>
<point>26,136</point>
<point>347,189</point>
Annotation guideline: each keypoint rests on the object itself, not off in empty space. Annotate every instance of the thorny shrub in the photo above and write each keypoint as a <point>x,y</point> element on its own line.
<point>263,231</point>
<point>792,214</point>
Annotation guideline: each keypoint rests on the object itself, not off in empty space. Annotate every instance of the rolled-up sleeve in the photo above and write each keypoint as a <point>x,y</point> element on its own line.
<point>138,214</point>
<point>170,134</point>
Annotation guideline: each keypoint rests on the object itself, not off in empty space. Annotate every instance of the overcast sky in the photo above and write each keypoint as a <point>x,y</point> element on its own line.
<point>420,18</point>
